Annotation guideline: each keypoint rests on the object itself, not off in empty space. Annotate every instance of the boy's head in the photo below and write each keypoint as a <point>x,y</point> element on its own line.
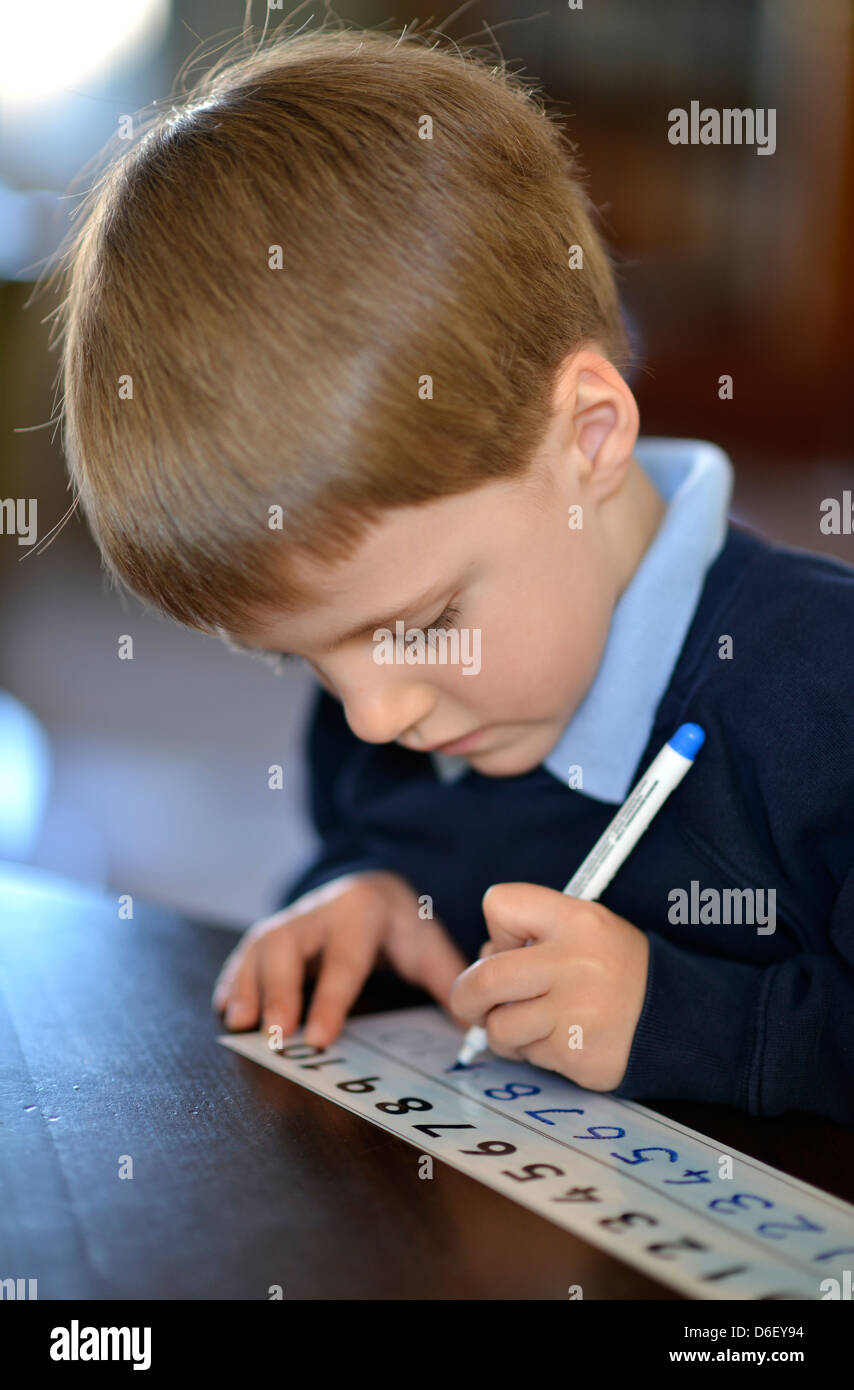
<point>339,332</point>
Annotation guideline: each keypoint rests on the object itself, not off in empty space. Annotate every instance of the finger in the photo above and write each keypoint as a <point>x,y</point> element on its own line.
<point>233,962</point>
<point>437,962</point>
<point>243,1000</point>
<point>281,966</point>
<point>512,1027</point>
<point>503,978</point>
<point>517,912</point>
<point>345,967</point>
<point>227,974</point>
<point>541,1053</point>
<point>260,932</point>
<point>220,993</point>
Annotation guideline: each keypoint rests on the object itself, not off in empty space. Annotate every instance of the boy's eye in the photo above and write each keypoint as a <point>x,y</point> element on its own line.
<point>445,620</point>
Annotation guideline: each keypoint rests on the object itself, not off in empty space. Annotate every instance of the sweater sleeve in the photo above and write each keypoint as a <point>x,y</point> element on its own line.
<point>332,753</point>
<point>763,1039</point>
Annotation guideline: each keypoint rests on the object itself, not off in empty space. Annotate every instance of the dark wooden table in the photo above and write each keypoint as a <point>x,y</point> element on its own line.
<point>241,1179</point>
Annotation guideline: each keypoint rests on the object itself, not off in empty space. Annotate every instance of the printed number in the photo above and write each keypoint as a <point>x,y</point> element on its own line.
<point>739,1200</point>
<point>491,1146</point>
<point>433,1130</point>
<point>686,1243</point>
<point>540,1114</point>
<point>530,1170</point>
<point>400,1107</point>
<point>800,1223</point>
<point>650,1149</point>
<point>723,1273</point>
<point>512,1090</point>
<point>628,1218</point>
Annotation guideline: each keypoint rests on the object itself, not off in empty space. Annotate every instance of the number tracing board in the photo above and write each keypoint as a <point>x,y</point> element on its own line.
<point>627,1180</point>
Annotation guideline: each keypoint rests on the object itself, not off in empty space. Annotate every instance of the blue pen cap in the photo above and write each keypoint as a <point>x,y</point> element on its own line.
<point>688,740</point>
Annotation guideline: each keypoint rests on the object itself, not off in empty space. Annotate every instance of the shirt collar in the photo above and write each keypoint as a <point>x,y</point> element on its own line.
<point>611,727</point>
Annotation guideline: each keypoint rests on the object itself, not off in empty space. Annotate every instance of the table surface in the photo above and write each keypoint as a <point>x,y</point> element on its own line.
<point>242,1179</point>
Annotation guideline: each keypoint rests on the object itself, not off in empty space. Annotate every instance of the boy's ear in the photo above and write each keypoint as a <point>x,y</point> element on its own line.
<point>600,418</point>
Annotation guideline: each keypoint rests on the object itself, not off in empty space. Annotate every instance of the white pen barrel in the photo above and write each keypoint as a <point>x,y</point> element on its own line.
<point>620,837</point>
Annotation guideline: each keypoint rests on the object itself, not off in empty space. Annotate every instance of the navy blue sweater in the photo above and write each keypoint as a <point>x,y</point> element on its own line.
<point>761,1022</point>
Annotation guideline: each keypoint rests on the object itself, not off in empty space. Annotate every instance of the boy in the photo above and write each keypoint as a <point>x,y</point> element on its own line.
<point>341,363</point>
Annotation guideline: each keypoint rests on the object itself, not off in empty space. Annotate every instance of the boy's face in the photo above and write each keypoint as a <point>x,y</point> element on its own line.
<point>536,593</point>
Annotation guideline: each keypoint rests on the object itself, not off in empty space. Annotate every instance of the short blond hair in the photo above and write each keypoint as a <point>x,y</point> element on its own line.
<point>402,349</point>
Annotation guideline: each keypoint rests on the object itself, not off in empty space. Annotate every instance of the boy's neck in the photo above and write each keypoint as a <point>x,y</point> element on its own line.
<point>638,511</point>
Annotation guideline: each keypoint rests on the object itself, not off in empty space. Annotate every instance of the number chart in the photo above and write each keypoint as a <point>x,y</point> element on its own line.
<point>638,1185</point>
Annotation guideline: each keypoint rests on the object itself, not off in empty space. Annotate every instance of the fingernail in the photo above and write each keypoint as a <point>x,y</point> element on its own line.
<point>235,1014</point>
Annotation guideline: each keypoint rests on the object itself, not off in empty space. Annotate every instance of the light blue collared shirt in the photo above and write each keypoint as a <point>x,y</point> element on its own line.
<point>611,727</point>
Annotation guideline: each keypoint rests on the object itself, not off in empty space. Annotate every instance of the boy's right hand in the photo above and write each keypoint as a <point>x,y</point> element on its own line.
<point>347,922</point>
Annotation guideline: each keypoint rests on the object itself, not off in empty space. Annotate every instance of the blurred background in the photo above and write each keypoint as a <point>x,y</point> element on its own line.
<point>150,777</point>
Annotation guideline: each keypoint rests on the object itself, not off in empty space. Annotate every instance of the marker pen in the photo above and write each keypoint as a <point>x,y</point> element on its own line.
<point>619,838</point>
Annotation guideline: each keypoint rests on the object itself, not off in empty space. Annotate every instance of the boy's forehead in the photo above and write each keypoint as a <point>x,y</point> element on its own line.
<point>396,570</point>
<point>409,557</point>
<point>403,551</point>
<point>403,546</point>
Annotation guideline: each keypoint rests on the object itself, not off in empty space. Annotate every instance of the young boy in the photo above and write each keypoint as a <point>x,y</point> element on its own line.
<point>341,358</point>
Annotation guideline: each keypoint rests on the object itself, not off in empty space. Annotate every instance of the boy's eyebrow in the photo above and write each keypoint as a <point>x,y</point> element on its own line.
<point>360,628</point>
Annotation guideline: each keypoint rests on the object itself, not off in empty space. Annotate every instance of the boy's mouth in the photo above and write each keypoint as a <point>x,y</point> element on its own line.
<point>456,745</point>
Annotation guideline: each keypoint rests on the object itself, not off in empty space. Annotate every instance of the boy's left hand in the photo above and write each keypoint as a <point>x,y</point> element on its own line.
<point>584,966</point>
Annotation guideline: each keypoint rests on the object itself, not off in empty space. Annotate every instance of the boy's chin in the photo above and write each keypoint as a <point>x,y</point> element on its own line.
<point>512,760</point>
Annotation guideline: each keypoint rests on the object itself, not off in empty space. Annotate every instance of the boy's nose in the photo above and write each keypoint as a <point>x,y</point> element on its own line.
<point>381,716</point>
